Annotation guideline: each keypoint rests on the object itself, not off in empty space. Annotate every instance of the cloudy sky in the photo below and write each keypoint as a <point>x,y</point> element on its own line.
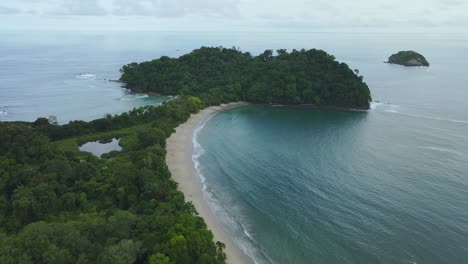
<point>227,14</point>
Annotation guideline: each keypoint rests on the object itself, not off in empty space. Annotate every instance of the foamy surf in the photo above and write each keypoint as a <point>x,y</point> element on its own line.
<point>198,151</point>
<point>394,109</point>
<point>382,105</point>
<point>443,150</point>
<point>429,117</point>
<point>373,105</point>
<point>133,97</point>
<point>243,239</point>
<point>86,76</point>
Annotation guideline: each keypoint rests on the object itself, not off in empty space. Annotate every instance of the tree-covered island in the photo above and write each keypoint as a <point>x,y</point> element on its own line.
<point>408,58</point>
<point>60,205</point>
<point>218,75</point>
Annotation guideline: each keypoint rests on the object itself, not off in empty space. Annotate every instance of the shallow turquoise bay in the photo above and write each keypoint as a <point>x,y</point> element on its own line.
<point>324,186</point>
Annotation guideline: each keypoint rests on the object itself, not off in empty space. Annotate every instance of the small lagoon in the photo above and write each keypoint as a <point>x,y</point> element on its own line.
<point>97,148</point>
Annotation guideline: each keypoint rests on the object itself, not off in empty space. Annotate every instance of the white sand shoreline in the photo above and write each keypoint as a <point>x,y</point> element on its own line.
<point>179,161</point>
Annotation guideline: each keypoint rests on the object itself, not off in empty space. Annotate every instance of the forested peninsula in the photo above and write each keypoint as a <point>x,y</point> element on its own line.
<point>220,75</point>
<point>61,205</point>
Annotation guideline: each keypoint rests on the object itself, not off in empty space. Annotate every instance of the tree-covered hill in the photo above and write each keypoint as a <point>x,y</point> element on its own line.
<point>408,58</point>
<point>60,205</point>
<point>224,75</point>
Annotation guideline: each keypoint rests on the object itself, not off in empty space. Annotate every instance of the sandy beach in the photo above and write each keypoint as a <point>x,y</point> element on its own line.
<point>179,160</point>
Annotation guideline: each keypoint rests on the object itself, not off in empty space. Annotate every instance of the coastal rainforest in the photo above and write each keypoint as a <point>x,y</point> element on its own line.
<point>60,205</point>
<point>218,75</point>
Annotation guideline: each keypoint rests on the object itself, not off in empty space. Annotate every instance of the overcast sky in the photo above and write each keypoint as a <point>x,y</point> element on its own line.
<point>226,14</point>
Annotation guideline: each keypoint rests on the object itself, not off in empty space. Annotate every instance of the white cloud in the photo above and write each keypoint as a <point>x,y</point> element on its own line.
<point>254,13</point>
<point>5,10</point>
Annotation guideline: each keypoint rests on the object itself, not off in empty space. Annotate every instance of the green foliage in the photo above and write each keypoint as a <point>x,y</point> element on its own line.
<point>151,136</point>
<point>218,75</point>
<point>59,205</point>
<point>408,58</point>
<point>159,258</point>
<point>126,251</point>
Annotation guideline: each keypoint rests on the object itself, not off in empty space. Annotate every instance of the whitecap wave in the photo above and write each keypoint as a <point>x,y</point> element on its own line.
<point>133,97</point>
<point>382,105</point>
<point>395,109</point>
<point>86,76</point>
<point>430,117</point>
<point>443,150</point>
<point>439,119</point>
<point>141,96</point>
<point>374,105</point>
<point>127,99</point>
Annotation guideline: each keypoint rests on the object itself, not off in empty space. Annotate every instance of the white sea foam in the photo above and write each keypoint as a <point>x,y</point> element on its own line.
<point>243,242</point>
<point>382,105</point>
<point>395,109</point>
<point>430,117</point>
<point>133,97</point>
<point>86,76</point>
<point>140,96</point>
<point>198,151</point>
<point>443,150</point>
<point>375,105</point>
<point>440,119</point>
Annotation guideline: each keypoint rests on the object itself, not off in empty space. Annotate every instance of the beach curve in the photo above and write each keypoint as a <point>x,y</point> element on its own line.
<point>179,148</point>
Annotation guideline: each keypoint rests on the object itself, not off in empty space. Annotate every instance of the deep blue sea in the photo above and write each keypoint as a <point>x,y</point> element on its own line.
<point>292,185</point>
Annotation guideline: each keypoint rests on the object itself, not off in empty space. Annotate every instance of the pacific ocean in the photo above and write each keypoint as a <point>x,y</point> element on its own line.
<point>292,185</point>
<point>389,185</point>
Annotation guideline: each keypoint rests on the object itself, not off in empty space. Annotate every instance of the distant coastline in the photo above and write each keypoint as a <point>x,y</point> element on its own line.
<point>179,148</point>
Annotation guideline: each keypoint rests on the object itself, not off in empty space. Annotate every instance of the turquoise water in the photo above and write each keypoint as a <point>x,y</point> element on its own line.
<point>389,185</point>
<point>316,186</point>
<point>98,148</point>
<point>292,185</point>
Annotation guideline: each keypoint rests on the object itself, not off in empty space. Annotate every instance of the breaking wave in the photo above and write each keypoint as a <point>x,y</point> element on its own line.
<point>443,150</point>
<point>86,76</point>
<point>245,240</point>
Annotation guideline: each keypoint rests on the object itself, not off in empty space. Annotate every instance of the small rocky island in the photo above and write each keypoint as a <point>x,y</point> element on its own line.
<point>408,58</point>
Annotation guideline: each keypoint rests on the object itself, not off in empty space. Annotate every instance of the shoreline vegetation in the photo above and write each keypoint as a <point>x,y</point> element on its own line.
<point>60,205</point>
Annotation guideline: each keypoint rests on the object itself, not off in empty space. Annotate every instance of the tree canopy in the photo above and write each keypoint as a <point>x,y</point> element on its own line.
<point>60,205</point>
<point>225,75</point>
